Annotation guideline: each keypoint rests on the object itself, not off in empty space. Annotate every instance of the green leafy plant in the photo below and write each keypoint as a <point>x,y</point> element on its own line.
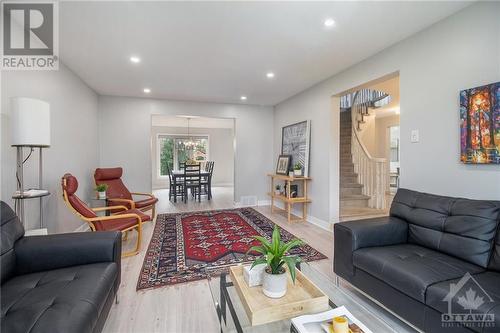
<point>297,166</point>
<point>274,253</point>
<point>278,187</point>
<point>101,187</point>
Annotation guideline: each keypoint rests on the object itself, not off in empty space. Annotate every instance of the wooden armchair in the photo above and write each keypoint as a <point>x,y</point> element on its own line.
<point>118,194</point>
<point>123,220</point>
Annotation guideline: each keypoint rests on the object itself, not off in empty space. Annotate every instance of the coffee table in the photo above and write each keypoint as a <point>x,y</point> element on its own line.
<point>233,318</point>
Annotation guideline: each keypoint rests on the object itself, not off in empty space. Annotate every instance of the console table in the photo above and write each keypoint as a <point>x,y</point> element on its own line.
<point>287,199</point>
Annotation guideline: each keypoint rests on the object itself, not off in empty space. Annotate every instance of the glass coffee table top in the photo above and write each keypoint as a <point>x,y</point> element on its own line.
<point>233,318</point>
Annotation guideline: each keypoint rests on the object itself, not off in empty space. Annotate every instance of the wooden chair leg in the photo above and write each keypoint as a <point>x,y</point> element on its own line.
<point>138,244</point>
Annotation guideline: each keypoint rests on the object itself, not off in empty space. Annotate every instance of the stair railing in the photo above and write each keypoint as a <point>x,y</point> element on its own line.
<point>372,172</point>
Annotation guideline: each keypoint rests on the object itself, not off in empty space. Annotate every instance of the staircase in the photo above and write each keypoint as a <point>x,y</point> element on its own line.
<point>350,189</point>
<point>363,178</point>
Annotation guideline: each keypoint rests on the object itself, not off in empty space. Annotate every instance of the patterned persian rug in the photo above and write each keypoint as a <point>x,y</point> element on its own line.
<point>185,246</point>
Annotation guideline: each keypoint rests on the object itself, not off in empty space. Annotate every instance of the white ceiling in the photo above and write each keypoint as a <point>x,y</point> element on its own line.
<point>218,51</point>
<point>194,122</point>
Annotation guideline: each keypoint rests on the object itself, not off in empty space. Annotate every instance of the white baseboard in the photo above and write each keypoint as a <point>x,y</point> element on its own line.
<point>325,225</point>
<point>238,204</point>
<point>83,228</point>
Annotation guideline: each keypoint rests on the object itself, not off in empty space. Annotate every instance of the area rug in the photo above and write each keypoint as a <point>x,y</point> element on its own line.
<point>189,246</point>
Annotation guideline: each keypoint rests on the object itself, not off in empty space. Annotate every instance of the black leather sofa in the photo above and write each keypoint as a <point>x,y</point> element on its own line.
<point>58,283</point>
<point>409,260</point>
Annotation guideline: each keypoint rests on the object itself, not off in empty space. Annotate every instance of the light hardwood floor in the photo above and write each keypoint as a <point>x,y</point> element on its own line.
<point>188,308</point>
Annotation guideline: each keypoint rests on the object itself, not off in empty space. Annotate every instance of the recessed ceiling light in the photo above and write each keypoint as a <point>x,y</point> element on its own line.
<point>135,59</point>
<point>270,75</point>
<point>243,98</point>
<point>329,22</point>
<point>147,90</point>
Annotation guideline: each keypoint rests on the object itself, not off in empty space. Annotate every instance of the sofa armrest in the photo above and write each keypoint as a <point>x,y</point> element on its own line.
<point>40,253</point>
<point>353,235</point>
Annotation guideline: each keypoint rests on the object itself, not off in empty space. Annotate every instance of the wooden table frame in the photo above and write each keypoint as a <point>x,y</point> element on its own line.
<point>226,303</point>
<point>179,174</point>
<point>287,200</point>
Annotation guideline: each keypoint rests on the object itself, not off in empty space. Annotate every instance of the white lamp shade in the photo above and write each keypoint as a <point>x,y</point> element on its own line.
<point>30,122</point>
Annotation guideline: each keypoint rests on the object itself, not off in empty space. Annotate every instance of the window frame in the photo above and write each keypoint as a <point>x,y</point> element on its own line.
<point>174,137</point>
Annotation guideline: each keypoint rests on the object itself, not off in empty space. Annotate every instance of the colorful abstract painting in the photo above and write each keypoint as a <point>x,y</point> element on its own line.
<point>480,125</point>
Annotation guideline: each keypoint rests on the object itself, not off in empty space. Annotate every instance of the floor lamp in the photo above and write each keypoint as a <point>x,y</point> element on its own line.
<point>30,129</point>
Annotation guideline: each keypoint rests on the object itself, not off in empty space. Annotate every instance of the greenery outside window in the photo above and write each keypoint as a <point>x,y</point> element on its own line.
<point>175,149</point>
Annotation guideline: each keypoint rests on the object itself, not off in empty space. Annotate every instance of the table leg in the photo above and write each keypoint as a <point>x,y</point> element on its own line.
<point>175,188</point>
<point>289,208</point>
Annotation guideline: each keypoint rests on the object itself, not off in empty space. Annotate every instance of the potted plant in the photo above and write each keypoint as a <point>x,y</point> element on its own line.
<point>297,169</point>
<point>274,254</point>
<point>277,189</point>
<point>101,190</point>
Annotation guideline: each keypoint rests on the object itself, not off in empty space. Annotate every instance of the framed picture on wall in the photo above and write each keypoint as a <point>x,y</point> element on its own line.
<point>283,165</point>
<point>480,124</point>
<point>295,141</point>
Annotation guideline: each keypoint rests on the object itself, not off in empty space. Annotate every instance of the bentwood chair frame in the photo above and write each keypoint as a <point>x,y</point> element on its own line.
<point>91,220</point>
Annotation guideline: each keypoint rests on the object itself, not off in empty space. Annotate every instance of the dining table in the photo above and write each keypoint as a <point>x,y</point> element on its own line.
<point>179,174</point>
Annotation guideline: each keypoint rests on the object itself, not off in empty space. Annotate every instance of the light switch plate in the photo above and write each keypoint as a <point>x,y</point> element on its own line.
<point>414,136</point>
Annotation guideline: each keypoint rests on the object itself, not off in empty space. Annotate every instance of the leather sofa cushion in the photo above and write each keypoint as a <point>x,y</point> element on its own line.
<point>12,230</point>
<point>487,282</point>
<point>440,223</point>
<point>410,268</point>
<point>58,301</point>
<point>495,257</point>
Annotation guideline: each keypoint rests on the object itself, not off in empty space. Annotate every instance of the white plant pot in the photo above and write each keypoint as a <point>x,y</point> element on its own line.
<point>297,172</point>
<point>274,285</point>
<point>102,195</point>
<point>277,192</point>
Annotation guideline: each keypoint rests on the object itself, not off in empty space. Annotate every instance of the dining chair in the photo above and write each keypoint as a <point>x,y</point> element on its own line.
<point>176,187</point>
<point>192,180</point>
<point>123,220</point>
<point>206,181</point>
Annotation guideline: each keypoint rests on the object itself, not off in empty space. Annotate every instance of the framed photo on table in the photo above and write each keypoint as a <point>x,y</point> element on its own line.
<point>283,164</point>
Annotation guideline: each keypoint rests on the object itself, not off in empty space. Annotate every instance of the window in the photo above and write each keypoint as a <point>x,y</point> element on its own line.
<point>173,150</point>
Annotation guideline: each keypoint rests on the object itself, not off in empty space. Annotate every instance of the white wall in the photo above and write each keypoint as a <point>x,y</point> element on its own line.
<point>220,150</point>
<point>74,138</point>
<point>459,52</point>
<point>125,139</point>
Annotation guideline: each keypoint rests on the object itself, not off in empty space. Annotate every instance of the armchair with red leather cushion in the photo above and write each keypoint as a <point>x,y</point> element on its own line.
<point>123,220</point>
<point>118,193</point>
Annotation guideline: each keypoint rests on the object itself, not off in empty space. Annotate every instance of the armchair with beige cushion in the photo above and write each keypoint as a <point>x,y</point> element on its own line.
<point>118,193</point>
